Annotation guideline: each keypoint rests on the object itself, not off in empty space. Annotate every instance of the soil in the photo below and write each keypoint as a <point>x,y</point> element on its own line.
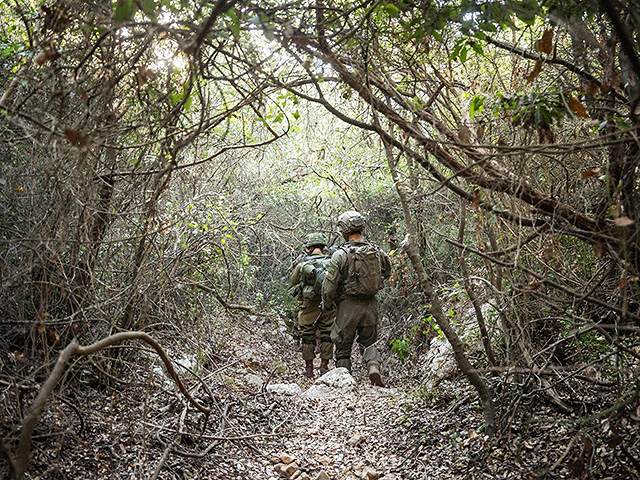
<point>140,426</point>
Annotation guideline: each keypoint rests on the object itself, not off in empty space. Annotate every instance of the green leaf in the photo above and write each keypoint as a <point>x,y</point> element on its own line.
<point>463,54</point>
<point>296,115</point>
<point>477,48</point>
<point>188,102</point>
<point>392,10</point>
<point>234,22</point>
<point>479,35</point>
<point>149,8</point>
<point>124,11</point>
<point>476,105</point>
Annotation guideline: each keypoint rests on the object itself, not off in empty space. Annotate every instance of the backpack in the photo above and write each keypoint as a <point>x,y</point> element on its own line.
<point>364,270</point>
<point>312,273</point>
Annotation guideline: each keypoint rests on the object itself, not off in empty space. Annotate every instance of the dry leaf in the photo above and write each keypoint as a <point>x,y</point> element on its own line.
<point>577,107</point>
<point>545,44</point>
<point>623,221</point>
<point>464,134</point>
<point>143,75</point>
<point>537,68</point>
<point>476,201</point>
<point>599,250</point>
<point>77,139</point>
<point>594,172</point>
<point>43,57</point>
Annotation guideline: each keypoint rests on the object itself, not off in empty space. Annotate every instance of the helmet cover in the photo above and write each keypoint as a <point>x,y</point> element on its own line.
<point>350,222</point>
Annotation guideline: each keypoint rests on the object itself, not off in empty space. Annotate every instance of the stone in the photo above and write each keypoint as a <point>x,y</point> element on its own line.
<point>286,458</point>
<point>253,380</point>
<point>440,360</point>
<point>288,470</point>
<point>334,383</point>
<point>356,440</point>
<point>370,474</point>
<point>322,476</point>
<point>291,469</point>
<point>284,388</point>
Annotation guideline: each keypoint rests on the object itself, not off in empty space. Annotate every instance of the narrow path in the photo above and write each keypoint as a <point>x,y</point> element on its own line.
<point>363,434</point>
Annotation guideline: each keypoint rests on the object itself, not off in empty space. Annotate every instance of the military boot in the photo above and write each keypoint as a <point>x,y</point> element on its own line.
<point>374,375</point>
<point>324,366</point>
<point>308,368</point>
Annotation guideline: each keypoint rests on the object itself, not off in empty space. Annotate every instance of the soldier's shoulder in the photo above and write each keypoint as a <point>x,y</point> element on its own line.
<point>339,254</point>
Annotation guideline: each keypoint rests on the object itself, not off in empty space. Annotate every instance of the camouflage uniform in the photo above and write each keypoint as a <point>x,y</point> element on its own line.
<point>357,316</point>
<point>307,325</point>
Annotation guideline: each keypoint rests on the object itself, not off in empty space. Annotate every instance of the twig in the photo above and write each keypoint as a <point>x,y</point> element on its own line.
<point>18,465</point>
<point>161,463</point>
<point>567,450</point>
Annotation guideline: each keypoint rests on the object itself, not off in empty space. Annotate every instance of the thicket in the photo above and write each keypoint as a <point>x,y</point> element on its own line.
<point>162,161</point>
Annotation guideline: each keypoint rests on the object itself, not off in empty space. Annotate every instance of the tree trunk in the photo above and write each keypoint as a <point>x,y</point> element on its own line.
<point>409,247</point>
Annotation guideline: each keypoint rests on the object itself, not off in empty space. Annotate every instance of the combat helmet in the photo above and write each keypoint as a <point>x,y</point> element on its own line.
<point>350,222</point>
<point>315,238</point>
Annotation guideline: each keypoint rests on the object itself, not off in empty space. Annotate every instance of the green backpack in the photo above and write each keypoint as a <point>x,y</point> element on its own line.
<point>364,270</point>
<point>312,273</point>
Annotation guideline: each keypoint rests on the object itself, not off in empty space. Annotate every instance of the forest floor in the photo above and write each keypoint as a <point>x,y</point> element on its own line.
<point>143,428</point>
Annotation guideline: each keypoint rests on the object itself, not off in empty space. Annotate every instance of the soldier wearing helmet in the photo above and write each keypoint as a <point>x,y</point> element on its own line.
<point>306,278</point>
<point>353,278</point>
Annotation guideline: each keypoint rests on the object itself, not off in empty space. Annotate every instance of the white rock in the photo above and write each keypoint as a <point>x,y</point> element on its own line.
<point>334,383</point>
<point>440,361</point>
<point>253,380</point>
<point>357,439</point>
<point>284,388</point>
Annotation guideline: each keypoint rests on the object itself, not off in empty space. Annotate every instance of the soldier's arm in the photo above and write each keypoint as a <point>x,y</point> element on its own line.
<point>386,265</point>
<point>294,278</point>
<point>332,280</point>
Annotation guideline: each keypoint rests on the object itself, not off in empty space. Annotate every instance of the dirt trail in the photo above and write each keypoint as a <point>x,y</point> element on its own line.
<point>364,434</point>
<point>143,428</point>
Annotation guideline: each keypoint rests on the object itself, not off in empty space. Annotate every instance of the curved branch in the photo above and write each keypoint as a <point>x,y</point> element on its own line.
<point>18,466</point>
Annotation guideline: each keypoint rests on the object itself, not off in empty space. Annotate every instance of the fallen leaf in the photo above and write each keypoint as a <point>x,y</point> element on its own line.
<point>594,172</point>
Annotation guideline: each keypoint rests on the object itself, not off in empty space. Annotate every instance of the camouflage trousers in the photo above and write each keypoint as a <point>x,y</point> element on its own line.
<point>306,318</point>
<point>356,320</point>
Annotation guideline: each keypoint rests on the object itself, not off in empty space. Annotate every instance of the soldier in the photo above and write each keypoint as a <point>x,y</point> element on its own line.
<point>353,278</point>
<point>306,278</point>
